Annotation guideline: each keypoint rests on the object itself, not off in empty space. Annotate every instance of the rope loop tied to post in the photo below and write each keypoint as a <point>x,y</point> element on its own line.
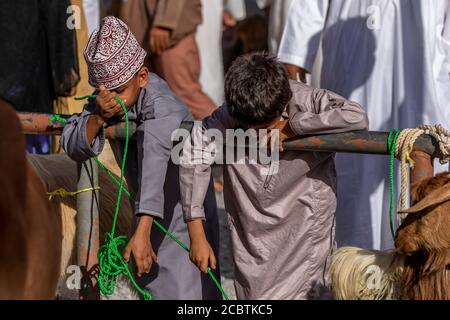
<point>400,145</point>
<point>442,136</point>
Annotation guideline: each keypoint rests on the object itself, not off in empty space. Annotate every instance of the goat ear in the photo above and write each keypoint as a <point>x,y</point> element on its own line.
<point>436,197</point>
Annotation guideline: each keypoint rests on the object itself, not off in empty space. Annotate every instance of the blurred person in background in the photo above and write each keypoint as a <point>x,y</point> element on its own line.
<point>245,30</point>
<point>222,17</point>
<point>392,57</point>
<point>276,12</point>
<point>219,16</point>
<point>166,28</point>
<point>39,61</point>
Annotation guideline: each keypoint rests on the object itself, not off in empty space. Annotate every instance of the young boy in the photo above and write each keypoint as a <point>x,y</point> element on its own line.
<point>282,223</point>
<point>115,62</point>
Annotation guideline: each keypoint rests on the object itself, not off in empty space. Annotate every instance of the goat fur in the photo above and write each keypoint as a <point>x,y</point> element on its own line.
<point>419,268</point>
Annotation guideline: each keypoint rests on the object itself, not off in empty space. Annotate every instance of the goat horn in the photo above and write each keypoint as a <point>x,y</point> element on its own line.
<point>436,197</point>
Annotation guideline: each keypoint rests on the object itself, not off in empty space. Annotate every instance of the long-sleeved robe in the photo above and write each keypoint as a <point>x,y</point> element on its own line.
<point>282,224</point>
<point>392,57</point>
<point>154,179</point>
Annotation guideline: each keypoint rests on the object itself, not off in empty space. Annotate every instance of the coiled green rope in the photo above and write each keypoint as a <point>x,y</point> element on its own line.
<point>391,144</point>
<point>111,261</point>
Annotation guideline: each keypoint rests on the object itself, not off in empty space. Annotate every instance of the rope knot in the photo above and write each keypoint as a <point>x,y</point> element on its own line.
<point>64,193</point>
<point>442,136</point>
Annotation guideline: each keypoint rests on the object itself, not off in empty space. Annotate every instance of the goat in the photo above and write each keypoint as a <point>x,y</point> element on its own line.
<point>419,268</point>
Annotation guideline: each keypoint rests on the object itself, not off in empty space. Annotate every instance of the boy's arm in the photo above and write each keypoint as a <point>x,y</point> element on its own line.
<point>322,111</point>
<point>83,135</point>
<point>154,150</point>
<point>195,175</point>
<point>196,160</point>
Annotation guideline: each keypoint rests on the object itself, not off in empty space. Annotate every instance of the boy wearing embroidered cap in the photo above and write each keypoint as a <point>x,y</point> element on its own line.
<point>116,68</point>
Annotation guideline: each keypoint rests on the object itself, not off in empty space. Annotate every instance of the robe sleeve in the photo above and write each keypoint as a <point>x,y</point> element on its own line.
<point>168,13</point>
<point>74,140</point>
<point>302,33</point>
<point>154,151</point>
<point>322,111</point>
<point>196,160</point>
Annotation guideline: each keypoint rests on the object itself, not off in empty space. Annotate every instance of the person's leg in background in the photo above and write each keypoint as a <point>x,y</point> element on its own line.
<point>180,67</point>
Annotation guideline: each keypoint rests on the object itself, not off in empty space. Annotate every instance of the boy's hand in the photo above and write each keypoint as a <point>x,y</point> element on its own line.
<point>285,132</point>
<point>107,105</point>
<point>202,255</point>
<point>141,247</point>
<point>142,252</point>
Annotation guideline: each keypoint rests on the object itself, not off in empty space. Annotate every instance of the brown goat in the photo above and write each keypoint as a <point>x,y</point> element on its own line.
<point>424,238</point>
<point>419,268</point>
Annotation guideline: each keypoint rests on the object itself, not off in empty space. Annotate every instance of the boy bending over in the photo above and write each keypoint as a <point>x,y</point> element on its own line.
<point>116,68</point>
<point>282,215</point>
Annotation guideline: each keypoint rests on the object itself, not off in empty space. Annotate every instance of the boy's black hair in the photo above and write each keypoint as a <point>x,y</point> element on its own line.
<point>256,89</point>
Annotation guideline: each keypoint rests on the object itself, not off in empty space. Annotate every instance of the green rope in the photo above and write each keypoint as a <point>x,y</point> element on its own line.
<point>164,230</point>
<point>111,262</point>
<point>110,259</point>
<point>391,144</point>
<point>57,118</point>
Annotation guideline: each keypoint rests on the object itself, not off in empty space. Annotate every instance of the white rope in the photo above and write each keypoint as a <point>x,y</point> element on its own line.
<point>404,147</point>
<point>442,136</point>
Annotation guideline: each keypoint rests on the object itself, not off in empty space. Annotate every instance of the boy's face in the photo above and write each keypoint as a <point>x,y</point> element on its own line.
<point>129,92</point>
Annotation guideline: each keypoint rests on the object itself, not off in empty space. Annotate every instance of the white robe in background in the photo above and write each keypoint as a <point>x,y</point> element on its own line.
<point>209,42</point>
<point>392,57</point>
<point>278,15</point>
<point>91,10</point>
<point>237,8</point>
